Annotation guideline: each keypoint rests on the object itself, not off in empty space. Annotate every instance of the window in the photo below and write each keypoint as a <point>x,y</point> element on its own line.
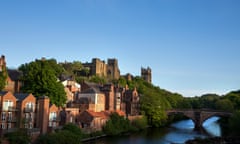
<point>3,116</point>
<point>26,115</point>
<point>7,104</point>
<point>50,124</point>
<point>53,116</point>
<point>29,106</point>
<point>54,124</point>
<point>9,116</point>
<point>2,126</point>
<point>30,125</point>
<point>25,125</point>
<point>9,125</point>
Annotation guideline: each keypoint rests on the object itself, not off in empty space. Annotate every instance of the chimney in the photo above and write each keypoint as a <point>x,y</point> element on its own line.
<point>43,114</point>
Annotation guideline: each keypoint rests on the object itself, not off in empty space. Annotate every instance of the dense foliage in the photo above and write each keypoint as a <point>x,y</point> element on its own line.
<point>40,78</point>
<point>140,123</point>
<point>70,134</point>
<point>229,102</point>
<point>18,137</point>
<point>117,125</point>
<point>153,100</point>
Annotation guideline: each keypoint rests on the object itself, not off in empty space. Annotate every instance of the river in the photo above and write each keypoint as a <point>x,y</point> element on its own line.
<point>177,133</point>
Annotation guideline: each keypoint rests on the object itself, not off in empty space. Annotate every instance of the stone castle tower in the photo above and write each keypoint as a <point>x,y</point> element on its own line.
<point>146,74</point>
<point>113,71</point>
<point>100,68</point>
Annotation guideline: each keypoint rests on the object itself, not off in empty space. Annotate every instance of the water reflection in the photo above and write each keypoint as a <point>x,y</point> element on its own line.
<point>183,131</point>
<point>178,133</point>
<point>212,127</point>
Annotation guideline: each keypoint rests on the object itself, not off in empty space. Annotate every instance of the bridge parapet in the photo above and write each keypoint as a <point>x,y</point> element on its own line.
<point>198,116</point>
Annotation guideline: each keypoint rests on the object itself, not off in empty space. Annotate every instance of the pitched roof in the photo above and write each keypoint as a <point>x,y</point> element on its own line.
<point>21,96</point>
<point>98,114</point>
<point>14,74</point>
<point>2,93</point>
<point>91,90</point>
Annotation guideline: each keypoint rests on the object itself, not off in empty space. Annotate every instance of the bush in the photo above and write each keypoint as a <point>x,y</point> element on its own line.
<point>140,123</point>
<point>18,137</point>
<point>70,134</point>
<point>117,125</point>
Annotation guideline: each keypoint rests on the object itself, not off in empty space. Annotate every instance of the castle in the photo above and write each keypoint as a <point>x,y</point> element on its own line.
<point>146,74</point>
<point>100,68</point>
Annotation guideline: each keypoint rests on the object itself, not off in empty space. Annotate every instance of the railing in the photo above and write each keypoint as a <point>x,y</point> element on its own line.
<point>56,119</point>
<point>11,108</point>
<point>28,110</point>
<point>26,120</point>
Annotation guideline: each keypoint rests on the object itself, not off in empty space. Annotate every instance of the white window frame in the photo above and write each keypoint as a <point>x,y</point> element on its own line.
<point>7,104</point>
<point>2,126</point>
<point>3,116</point>
<point>10,116</point>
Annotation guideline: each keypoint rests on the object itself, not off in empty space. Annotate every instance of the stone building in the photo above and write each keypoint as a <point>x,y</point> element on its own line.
<point>96,67</point>
<point>146,74</point>
<point>100,68</point>
<point>131,104</point>
<point>113,71</point>
<point>91,97</point>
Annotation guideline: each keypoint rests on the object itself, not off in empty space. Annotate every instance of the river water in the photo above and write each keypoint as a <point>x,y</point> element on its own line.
<point>177,133</point>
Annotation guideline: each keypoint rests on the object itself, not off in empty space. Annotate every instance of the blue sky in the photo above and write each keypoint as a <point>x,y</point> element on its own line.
<point>192,46</point>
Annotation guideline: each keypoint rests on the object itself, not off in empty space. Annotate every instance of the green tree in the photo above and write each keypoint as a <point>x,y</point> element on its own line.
<point>224,104</point>
<point>40,78</point>
<point>98,79</point>
<point>140,123</point>
<point>117,125</point>
<point>234,97</point>
<point>70,134</point>
<point>234,123</point>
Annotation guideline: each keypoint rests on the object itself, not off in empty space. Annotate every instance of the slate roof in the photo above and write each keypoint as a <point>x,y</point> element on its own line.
<point>14,74</point>
<point>21,96</point>
<point>2,93</point>
<point>91,90</point>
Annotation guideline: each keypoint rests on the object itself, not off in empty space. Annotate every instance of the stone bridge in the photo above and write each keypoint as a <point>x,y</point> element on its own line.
<point>198,116</point>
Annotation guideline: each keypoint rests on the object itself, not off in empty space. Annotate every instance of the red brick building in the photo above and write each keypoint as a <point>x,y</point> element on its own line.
<point>8,111</point>
<point>26,104</point>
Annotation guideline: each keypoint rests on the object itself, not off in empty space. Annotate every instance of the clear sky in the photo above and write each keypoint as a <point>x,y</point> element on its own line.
<point>192,46</point>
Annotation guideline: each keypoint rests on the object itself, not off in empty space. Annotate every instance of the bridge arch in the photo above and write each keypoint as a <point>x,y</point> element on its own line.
<point>207,115</point>
<point>199,116</point>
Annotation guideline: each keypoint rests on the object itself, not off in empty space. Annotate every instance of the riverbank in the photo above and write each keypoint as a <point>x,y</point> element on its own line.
<point>215,140</point>
<point>93,138</point>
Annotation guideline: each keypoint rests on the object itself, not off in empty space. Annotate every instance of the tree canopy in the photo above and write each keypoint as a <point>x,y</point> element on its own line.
<point>40,78</point>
